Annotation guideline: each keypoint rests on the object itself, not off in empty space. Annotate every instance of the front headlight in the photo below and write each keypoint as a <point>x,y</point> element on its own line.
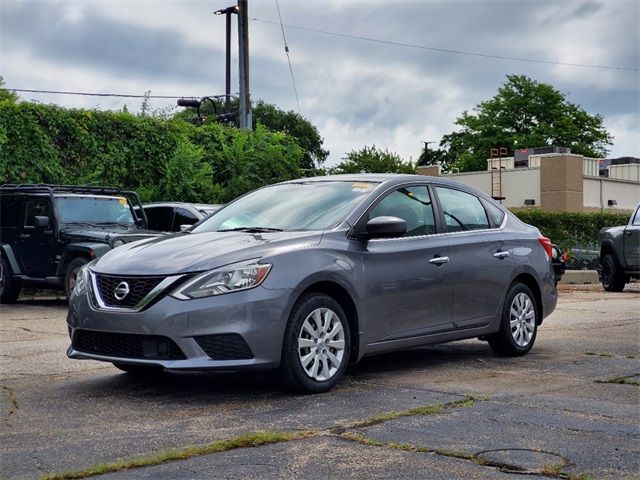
<point>82,278</point>
<point>239,276</point>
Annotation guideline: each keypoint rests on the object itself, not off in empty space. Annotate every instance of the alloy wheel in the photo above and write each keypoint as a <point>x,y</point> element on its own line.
<point>522,319</point>
<point>321,344</point>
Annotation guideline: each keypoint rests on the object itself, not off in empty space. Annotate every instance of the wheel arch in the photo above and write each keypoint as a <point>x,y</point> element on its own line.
<point>341,295</point>
<point>532,283</point>
<point>88,250</point>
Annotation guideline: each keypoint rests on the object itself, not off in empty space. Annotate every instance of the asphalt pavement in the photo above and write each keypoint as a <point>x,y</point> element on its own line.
<point>569,409</point>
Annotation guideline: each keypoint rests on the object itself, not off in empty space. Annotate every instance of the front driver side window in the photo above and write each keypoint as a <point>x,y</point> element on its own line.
<point>413,205</point>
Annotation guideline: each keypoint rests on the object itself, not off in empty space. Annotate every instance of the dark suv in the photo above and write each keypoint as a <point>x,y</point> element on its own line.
<point>47,232</point>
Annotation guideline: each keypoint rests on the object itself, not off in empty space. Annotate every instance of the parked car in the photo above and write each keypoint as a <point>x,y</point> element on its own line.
<point>47,232</point>
<point>176,216</point>
<point>620,253</point>
<point>310,275</point>
<point>558,262</point>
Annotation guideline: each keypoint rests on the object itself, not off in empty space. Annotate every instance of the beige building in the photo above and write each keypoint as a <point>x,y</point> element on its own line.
<point>554,182</point>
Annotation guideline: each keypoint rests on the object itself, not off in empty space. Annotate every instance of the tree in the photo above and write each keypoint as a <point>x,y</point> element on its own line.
<point>373,160</point>
<point>433,156</point>
<point>6,94</point>
<point>524,114</point>
<point>273,118</point>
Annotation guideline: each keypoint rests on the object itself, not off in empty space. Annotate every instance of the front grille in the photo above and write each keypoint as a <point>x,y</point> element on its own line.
<point>124,345</point>
<point>229,346</point>
<point>139,287</point>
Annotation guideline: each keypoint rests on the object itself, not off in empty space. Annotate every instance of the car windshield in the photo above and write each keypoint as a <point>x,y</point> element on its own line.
<point>290,207</point>
<point>94,210</point>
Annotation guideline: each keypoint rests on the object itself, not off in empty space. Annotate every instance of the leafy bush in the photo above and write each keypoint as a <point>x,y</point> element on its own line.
<point>572,229</point>
<point>163,159</point>
<point>373,160</point>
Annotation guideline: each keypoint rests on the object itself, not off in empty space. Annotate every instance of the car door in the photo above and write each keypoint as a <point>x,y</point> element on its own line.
<point>36,245</point>
<point>480,261</point>
<point>632,242</point>
<point>408,282</point>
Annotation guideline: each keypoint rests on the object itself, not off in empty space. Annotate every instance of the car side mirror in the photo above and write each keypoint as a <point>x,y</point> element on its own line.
<point>386,227</point>
<point>185,226</point>
<point>40,221</point>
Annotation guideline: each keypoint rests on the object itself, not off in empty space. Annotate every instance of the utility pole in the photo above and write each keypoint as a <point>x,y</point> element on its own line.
<point>243,50</point>
<point>233,10</point>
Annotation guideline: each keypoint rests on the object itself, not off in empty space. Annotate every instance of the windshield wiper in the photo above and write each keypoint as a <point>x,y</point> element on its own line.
<point>125,225</point>
<point>251,229</point>
<point>80,223</point>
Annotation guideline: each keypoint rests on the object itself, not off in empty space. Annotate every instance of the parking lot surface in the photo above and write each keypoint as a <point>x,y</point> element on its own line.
<point>569,409</point>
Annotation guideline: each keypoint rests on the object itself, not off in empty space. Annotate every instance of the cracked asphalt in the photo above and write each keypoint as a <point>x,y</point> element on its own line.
<point>556,412</point>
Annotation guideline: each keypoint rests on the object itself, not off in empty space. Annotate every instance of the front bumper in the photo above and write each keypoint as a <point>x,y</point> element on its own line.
<point>258,316</point>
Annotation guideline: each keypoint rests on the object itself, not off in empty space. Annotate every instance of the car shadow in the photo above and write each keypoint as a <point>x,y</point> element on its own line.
<point>216,387</point>
<point>43,301</point>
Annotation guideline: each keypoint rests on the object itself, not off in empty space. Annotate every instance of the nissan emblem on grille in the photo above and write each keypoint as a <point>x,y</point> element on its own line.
<point>121,291</point>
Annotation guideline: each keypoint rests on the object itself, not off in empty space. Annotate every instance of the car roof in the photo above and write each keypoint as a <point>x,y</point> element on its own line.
<point>182,204</point>
<point>387,179</point>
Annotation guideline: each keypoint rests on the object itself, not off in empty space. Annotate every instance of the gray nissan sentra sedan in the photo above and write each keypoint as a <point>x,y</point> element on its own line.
<point>310,275</point>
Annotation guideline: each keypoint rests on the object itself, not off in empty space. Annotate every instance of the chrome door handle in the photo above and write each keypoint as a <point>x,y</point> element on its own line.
<point>24,235</point>
<point>439,260</point>
<point>501,255</point>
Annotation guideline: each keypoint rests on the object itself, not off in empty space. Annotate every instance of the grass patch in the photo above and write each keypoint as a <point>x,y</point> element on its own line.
<point>13,405</point>
<point>355,437</point>
<point>622,380</point>
<point>426,410</point>
<point>254,439</point>
<point>593,354</point>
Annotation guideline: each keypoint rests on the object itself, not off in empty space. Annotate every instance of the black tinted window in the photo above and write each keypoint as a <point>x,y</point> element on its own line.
<point>462,211</point>
<point>183,217</point>
<point>159,218</point>
<point>10,211</point>
<point>33,209</point>
<point>413,205</point>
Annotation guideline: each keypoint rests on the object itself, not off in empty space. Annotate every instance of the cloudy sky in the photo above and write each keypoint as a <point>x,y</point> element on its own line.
<point>357,92</point>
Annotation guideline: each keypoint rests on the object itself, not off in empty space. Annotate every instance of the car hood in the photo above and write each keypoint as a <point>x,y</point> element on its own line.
<point>107,234</point>
<point>196,252</point>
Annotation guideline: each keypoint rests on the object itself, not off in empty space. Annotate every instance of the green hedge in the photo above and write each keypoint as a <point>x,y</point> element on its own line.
<point>163,159</point>
<point>572,229</point>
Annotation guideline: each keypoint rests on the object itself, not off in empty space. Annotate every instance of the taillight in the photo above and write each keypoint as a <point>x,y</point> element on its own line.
<point>546,244</point>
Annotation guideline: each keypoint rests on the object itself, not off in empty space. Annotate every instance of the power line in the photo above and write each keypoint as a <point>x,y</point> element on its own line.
<point>444,50</point>
<point>93,94</point>
<point>286,49</point>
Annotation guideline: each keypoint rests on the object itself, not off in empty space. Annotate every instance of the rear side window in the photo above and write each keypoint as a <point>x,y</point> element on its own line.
<point>462,211</point>
<point>413,205</point>
<point>183,217</point>
<point>159,218</point>
<point>495,214</point>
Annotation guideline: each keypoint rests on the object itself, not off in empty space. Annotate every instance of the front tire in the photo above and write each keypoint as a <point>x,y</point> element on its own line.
<point>519,323</point>
<point>72,273</point>
<point>317,345</point>
<point>613,278</point>
<point>9,288</point>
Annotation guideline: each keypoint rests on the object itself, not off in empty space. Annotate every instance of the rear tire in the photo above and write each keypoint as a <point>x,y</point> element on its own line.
<point>519,323</point>
<point>613,278</point>
<point>71,274</point>
<point>139,370</point>
<point>9,288</point>
<point>317,344</point>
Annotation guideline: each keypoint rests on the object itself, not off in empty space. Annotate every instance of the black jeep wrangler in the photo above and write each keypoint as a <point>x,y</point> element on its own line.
<point>47,232</point>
